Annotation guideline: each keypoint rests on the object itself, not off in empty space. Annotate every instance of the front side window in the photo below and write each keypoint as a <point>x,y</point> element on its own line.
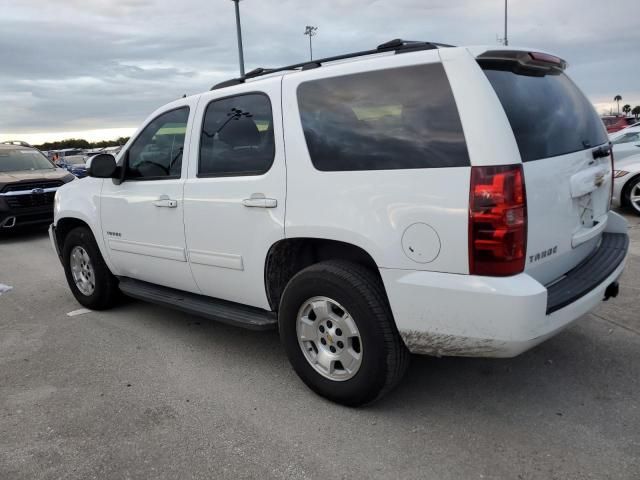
<point>383,120</point>
<point>157,152</point>
<point>237,137</point>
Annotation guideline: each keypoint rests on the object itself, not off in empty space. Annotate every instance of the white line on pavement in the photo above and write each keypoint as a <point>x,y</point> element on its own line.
<point>81,311</point>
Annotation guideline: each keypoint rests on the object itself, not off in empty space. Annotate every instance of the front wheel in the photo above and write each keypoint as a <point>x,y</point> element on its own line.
<point>339,334</point>
<point>633,195</point>
<point>89,278</point>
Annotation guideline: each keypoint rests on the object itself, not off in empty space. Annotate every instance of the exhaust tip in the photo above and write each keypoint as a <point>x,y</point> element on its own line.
<point>612,291</point>
<point>9,222</point>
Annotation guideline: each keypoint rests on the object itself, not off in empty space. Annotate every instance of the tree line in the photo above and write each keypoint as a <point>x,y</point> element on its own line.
<point>81,143</point>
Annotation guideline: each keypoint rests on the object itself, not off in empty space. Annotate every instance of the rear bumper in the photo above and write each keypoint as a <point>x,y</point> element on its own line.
<point>464,315</point>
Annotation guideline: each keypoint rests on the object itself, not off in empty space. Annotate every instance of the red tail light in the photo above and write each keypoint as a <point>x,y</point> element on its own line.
<point>497,221</point>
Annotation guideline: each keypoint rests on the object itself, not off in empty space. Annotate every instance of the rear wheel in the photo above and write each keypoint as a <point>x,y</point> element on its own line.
<point>339,334</point>
<point>633,195</point>
<point>88,276</point>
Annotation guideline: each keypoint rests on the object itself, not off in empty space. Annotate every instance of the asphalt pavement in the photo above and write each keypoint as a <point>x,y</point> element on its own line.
<point>143,392</point>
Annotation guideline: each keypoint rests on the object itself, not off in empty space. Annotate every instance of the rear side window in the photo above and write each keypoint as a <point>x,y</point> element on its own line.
<point>383,120</point>
<point>237,137</point>
<point>549,115</point>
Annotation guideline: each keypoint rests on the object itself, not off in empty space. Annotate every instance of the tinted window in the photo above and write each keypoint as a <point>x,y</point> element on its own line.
<point>15,160</point>
<point>237,137</point>
<point>549,115</point>
<point>157,152</point>
<point>383,120</point>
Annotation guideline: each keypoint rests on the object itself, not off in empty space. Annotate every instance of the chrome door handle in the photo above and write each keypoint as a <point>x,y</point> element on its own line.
<point>258,200</point>
<point>166,202</point>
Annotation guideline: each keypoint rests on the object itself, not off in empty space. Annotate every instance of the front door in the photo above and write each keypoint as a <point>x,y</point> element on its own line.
<point>143,217</point>
<point>234,196</point>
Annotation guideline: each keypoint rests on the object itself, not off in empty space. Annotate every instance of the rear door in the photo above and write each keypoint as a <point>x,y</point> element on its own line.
<point>234,197</point>
<point>557,131</point>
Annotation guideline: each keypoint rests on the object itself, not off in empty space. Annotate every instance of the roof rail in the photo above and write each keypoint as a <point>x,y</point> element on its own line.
<point>16,142</point>
<point>396,45</point>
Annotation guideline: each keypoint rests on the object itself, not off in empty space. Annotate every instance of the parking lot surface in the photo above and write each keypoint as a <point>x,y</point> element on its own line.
<point>145,392</point>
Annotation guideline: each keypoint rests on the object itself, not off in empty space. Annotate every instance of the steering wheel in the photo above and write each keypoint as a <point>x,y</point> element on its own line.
<point>147,162</point>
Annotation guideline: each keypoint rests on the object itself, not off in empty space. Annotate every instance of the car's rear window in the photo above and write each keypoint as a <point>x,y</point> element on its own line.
<point>549,114</point>
<point>383,120</point>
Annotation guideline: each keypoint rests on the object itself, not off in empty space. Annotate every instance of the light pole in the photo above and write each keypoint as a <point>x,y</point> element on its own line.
<point>239,31</point>
<point>311,31</point>
<point>506,39</point>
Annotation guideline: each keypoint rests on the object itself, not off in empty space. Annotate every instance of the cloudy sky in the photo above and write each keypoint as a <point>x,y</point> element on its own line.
<point>97,68</point>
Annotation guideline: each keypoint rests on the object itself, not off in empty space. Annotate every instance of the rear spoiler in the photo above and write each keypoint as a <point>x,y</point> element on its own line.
<point>522,62</point>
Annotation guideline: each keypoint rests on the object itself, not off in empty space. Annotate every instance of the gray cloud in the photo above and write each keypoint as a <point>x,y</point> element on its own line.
<point>85,64</point>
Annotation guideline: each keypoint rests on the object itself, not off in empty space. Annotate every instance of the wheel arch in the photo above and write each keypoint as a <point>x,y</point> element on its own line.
<point>66,224</point>
<point>288,256</point>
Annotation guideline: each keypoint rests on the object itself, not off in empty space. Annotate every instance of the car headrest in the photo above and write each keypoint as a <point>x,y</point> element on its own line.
<point>240,133</point>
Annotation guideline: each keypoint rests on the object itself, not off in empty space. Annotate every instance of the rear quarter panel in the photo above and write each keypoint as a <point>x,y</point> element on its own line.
<point>372,209</point>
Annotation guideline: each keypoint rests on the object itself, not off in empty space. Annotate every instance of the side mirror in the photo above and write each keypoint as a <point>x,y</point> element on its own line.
<point>102,166</point>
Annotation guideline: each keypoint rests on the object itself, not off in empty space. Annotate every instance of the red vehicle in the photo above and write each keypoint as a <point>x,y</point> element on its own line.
<point>617,122</point>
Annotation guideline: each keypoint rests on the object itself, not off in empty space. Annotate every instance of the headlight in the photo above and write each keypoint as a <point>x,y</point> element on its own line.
<point>619,173</point>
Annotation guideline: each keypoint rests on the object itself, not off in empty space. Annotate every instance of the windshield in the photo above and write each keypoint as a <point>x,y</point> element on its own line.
<point>627,138</point>
<point>549,114</point>
<point>20,160</point>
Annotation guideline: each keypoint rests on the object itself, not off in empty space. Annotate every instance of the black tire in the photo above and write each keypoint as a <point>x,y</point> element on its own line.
<point>384,356</point>
<point>628,188</point>
<point>106,289</point>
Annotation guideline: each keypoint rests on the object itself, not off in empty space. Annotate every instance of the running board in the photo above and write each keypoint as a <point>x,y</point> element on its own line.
<point>219,310</point>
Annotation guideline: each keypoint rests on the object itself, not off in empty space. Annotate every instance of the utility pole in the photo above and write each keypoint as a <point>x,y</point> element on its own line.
<point>311,31</point>
<point>239,31</point>
<point>506,39</point>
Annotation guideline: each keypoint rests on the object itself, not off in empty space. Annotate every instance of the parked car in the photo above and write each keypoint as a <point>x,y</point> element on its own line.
<point>625,142</point>
<point>75,164</point>
<point>28,182</point>
<point>626,183</point>
<point>441,216</point>
<point>615,123</point>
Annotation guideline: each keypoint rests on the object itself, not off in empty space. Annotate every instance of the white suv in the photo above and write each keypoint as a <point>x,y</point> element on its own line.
<point>414,198</point>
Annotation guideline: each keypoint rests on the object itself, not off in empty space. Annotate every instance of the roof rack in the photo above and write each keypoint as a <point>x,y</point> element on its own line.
<point>397,45</point>
<point>19,143</point>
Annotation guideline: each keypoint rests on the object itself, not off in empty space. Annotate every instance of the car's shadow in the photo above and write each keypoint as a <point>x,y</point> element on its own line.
<point>22,234</point>
<point>572,371</point>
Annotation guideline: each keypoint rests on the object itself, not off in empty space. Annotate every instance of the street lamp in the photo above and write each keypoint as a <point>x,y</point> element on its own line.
<point>239,31</point>
<point>311,31</point>
<point>506,39</point>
